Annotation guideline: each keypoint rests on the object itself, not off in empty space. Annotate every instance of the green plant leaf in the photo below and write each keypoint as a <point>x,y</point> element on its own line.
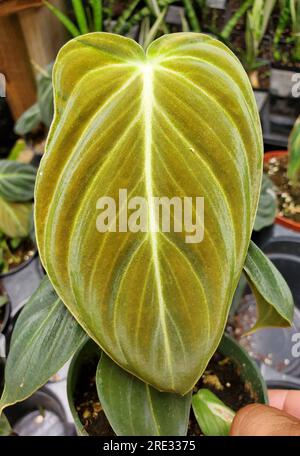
<point>3,300</point>
<point>134,408</point>
<point>212,415</point>
<point>294,152</point>
<point>15,218</point>
<point>44,338</point>
<point>5,428</point>
<point>180,120</point>
<point>45,95</point>
<point>18,148</point>
<point>273,296</point>
<point>267,206</point>
<point>72,29</point>
<point>28,121</point>
<point>16,181</point>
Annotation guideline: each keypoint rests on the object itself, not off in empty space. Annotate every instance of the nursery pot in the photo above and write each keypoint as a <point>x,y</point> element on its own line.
<point>284,221</point>
<point>21,282</point>
<point>273,347</point>
<point>247,368</point>
<point>40,414</point>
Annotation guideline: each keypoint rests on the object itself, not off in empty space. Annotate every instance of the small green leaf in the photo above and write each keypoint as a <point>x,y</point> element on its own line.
<point>16,181</point>
<point>212,415</point>
<point>15,218</point>
<point>267,205</point>
<point>45,337</point>
<point>5,428</point>
<point>294,152</point>
<point>28,121</point>
<point>273,296</point>
<point>135,408</point>
<point>18,147</point>
<point>45,95</point>
<point>3,300</point>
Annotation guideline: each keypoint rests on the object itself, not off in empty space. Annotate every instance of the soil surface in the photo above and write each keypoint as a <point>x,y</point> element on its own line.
<point>18,256</point>
<point>87,403</point>
<point>223,378</point>
<point>288,193</point>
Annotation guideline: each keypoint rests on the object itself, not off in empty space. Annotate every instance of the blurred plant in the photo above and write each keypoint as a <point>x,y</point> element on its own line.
<point>5,429</point>
<point>295,16</point>
<point>42,110</point>
<point>283,22</point>
<point>16,193</point>
<point>232,23</point>
<point>267,205</point>
<point>257,22</point>
<point>88,16</point>
<point>294,153</point>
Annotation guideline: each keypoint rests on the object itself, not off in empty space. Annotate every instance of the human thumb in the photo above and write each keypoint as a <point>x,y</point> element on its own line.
<point>263,420</point>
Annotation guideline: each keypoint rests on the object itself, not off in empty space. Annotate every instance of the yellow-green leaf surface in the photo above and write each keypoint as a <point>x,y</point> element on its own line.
<point>178,120</point>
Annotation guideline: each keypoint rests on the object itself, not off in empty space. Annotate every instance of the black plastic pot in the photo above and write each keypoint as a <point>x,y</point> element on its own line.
<point>273,347</point>
<point>283,385</point>
<point>21,283</point>
<point>40,414</point>
<point>283,80</point>
<point>228,347</point>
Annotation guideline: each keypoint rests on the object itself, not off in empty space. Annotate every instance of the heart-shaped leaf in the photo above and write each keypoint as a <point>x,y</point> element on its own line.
<point>134,408</point>
<point>16,181</point>
<point>44,338</point>
<point>178,121</point>
<point>15,218</point>
<point>273,297</point>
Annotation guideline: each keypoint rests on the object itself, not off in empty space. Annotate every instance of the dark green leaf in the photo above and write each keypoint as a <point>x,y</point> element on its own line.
<point>45,95</point>
<point>135,408</point>
<point>45,337</point>
<point>28,121</point>
<point>273,296</point>
<point>16,181</point>
<point>267,205</point>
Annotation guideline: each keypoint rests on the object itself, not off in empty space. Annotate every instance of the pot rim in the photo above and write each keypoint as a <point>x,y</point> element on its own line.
<point>280,219</point>
<point>20,266</point>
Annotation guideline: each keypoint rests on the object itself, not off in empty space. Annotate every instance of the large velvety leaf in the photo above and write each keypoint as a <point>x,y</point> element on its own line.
<point>16,181</point>
<point>178,121</point>
<point>273,296</point>
<point>135,408</point>
<point>45,336</point>
<point>15,218</point>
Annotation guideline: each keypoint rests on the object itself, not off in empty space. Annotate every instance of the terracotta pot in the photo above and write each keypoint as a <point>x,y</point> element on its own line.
<point>284,221</point>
